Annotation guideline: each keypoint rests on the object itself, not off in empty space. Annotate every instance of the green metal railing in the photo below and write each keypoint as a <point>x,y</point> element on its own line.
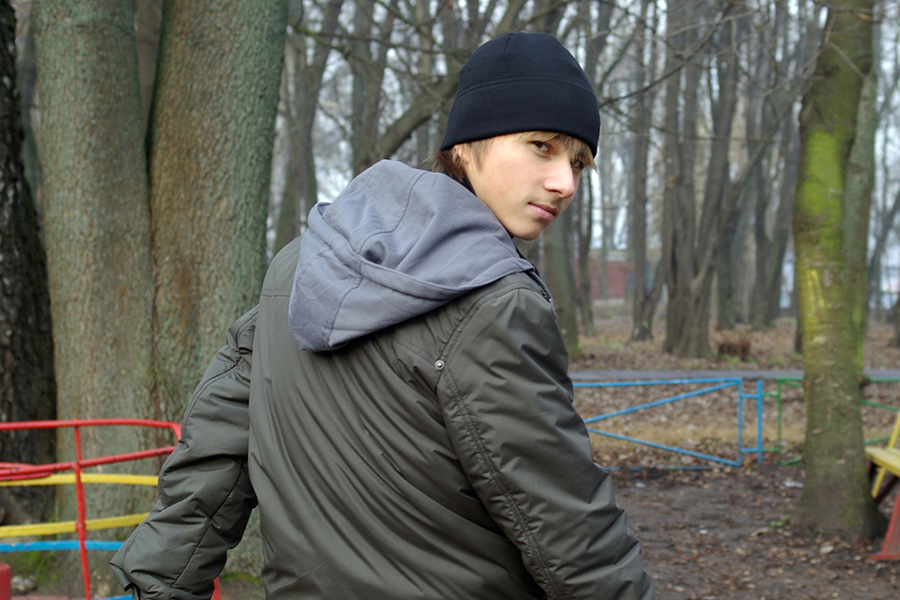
<point>796,382</point>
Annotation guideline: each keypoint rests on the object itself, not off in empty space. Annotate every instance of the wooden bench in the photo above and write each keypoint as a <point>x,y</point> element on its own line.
<point>885,461</point>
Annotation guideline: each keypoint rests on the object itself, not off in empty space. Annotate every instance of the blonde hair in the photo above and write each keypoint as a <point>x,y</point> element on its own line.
<point>450,163</point>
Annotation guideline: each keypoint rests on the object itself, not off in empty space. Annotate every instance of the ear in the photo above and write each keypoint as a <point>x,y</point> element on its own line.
<point>464,153</point>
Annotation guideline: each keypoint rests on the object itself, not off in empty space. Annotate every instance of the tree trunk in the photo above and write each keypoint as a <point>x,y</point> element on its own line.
<point>720,221</point>
<point>644,300</point>
<point>677,236</point>
<point>558,275</point>
<point>857,206</point>
<point>27,385</point>
<point>605,172</point>
<point>885,227</point>
<point>687,314</point>
<point>583,208</point>
<point>301,183</point>
<point>210,160</point>
<point>835,496</point>
<point>98,227</point>
<point>895,317</point>
<point>27,84</point>
<point>781,232</point>
<point>796,58</point>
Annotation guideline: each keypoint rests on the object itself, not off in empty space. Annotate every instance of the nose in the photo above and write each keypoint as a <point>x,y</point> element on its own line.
<point>561,178</point>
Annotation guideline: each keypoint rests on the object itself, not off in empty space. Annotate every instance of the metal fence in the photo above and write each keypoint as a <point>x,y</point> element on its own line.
<point>713,385</point>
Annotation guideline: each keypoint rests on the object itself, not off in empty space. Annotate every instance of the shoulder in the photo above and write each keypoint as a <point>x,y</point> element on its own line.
<point>279,277</point>
<point>511,313</point>
<point>510,301</point>
<point>512,294</point>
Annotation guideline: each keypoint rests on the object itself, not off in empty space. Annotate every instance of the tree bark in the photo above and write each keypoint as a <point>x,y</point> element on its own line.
<point>27,384</point>
<point>97,227</point>
<point>673,242</point>
<point>583,207</point>
<point>728,242</point>
<point>860,180</point>
<point>211,142</point>
<point>148,18</point>
<point>835,496</point>
<point>605,173</point>
<point>687,313</point>
<point>558,274</point>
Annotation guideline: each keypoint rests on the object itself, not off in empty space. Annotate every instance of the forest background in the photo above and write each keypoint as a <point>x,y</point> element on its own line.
<point>156,153</point>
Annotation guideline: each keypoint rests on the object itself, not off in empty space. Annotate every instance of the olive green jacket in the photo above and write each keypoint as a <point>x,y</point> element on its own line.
<point>437,457</point>
<point>440,458</point>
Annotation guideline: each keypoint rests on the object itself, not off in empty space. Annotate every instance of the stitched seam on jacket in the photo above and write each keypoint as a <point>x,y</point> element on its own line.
<point>473,431</point>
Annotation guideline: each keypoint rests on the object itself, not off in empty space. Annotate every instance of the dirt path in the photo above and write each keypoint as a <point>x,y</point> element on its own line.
<point>718,535</point>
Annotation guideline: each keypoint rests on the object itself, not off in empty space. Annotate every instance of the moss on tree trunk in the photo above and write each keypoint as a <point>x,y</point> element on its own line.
<point>835,497</point>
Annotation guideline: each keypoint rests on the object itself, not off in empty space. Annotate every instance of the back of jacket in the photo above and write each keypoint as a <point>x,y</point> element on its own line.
<point>354,456</point>
<point>440,458</point>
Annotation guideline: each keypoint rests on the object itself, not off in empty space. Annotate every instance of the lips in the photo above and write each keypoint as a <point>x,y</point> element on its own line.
<point>548,213</point>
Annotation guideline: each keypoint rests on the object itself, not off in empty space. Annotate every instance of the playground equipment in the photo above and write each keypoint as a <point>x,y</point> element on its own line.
<point>886,461</point>
<point>714,385</point>
<point>17,474</point>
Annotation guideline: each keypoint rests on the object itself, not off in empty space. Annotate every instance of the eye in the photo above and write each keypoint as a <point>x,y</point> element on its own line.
<point>541,146</point>
<point>577,165</point>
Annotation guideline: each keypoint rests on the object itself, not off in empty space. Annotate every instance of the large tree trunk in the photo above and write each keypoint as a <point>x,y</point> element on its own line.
<point>27,386</point>
<point>98,227</point>
<point>835,496</point>
<point>210,154</point>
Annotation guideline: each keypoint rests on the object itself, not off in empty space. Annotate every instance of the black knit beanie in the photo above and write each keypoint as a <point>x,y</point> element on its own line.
<point>522,82</point>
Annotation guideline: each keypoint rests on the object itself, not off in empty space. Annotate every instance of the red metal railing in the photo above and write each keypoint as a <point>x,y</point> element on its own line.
<point>23,472</point>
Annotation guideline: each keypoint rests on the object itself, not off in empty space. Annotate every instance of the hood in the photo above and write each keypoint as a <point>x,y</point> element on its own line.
<point>396,243</point>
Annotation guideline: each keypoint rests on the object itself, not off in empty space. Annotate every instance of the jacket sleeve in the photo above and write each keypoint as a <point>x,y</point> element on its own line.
<point>205,496</point>
<point>527,453</point>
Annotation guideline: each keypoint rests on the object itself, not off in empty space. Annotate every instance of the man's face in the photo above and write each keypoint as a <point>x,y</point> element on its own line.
<point>526,181</point>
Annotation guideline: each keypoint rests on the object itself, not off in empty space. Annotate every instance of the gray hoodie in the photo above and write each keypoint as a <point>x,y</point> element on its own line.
<point>397,243</point>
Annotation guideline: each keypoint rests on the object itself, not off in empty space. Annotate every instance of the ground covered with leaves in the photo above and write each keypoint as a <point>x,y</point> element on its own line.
<point>716,532</point>
<point>728,535</point>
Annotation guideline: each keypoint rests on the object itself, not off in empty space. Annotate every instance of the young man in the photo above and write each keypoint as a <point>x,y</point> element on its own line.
<point>398,403</point>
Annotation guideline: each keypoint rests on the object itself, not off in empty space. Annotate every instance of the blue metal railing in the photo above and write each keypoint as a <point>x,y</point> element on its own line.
<point>64,545</point>
<point>716,385</point>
